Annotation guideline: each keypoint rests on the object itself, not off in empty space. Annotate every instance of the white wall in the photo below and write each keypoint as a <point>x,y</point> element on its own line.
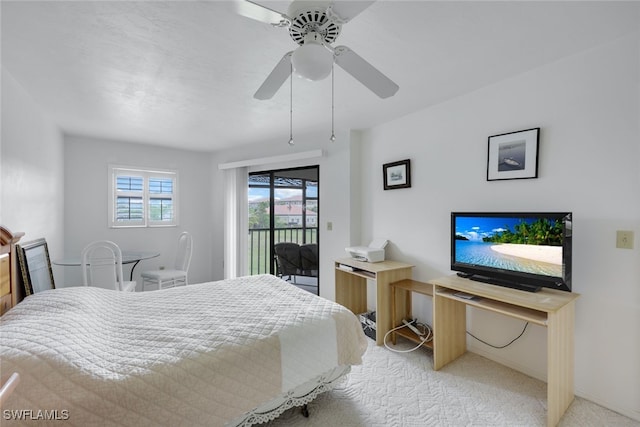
<point>86,196</point>
<point>32,164</point>
<point>588,109</point>
<point>335,194</point>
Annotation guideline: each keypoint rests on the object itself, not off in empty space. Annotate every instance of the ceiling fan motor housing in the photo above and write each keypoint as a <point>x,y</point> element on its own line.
<point>311,17</point>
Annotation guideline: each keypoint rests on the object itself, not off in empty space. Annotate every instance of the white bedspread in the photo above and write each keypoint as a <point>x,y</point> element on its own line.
<point>197,355</point>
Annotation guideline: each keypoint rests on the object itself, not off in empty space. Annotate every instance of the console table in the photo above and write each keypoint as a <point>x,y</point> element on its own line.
<point>549,308</point>
<point>351,287</point>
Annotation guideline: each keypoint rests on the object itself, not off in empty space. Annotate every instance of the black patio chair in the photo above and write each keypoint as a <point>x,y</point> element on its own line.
<point>309,258</point>
<point>288,260</point>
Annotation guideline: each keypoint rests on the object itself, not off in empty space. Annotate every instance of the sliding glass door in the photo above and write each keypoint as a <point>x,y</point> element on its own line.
<point>283,212</point>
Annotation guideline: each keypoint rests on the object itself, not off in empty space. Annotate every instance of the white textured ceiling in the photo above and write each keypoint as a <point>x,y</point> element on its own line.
<point>183,73</point>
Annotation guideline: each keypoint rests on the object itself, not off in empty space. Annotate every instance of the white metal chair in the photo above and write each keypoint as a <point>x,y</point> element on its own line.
<point>102,267</point>
<point>178,275</point>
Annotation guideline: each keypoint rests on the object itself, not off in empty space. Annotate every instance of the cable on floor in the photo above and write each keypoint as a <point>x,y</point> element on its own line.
<point>426,335</point>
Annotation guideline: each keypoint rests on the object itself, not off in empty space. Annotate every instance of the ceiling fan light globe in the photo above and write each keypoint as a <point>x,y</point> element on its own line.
<point>312,61</point>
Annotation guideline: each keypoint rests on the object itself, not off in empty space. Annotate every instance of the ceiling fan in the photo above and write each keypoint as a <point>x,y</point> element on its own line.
<point>314,25</point>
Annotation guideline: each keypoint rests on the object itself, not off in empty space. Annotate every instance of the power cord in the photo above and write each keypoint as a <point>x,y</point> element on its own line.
<point>426,334</point>
<point>501,346</point>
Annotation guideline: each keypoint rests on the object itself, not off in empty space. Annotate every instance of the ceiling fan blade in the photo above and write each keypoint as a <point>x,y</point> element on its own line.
<point>274,80</point>
<point>261,13</point>
<point>364,72</point>
<point>342,12</point>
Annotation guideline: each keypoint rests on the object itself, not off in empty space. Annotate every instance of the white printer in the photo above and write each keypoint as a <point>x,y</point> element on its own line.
<point>372,253</point>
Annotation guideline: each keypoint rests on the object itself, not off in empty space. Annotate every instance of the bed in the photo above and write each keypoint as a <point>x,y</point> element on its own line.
<point>228,353</point>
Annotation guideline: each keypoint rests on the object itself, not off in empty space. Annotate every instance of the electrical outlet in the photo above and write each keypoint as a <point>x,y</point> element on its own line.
<point>624,239</point>
<point>329,226</point>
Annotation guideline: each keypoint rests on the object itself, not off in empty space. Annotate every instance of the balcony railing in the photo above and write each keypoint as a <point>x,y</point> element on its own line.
<point>259,254</point>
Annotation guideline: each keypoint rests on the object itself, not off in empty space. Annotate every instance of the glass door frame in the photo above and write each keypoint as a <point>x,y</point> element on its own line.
<point>305,199</point>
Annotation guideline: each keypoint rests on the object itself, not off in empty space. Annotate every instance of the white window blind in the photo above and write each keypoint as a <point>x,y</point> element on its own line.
<point>142,197</point>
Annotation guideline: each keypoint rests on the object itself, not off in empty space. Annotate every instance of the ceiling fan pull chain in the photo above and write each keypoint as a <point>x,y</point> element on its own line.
<point>291,106</point>
<point>333,135</point>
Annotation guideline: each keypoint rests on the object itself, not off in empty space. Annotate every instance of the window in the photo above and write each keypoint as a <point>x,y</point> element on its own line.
<point>142,197</point>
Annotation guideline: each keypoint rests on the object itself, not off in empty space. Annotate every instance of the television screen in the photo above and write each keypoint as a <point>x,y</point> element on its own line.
<point>521,250</point>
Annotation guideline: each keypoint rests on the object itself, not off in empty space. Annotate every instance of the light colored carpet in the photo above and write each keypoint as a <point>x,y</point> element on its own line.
<point>393,389</point>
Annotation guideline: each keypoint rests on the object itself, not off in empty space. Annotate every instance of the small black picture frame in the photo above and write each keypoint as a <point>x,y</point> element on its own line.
<point>513,155</point>
<point>35,267</point>
<point>397,174</point>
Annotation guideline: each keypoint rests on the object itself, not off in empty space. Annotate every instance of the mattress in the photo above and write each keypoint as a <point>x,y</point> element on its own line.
<point>211,354</point>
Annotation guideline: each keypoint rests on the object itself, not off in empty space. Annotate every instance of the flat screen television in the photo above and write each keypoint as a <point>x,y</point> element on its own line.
<point>526,251</point>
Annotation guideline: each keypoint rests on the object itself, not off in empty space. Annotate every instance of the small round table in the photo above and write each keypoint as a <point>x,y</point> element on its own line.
<point>128,257</point>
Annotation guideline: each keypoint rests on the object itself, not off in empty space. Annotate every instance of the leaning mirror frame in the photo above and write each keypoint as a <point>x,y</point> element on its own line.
<point>35,266</point>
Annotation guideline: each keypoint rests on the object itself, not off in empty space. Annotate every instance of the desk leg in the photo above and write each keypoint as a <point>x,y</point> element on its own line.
<point>560,356</point>
<point>394,293</point>
<point>449,330</point>
<point>384,279</point>
<point>401,307</point>
<point>132,267</point>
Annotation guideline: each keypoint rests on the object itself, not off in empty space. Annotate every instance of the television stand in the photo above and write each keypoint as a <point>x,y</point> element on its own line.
<point>549,308</point>
<point>504,283</point>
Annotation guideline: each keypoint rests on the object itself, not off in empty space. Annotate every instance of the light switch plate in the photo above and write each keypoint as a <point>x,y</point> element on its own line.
<point>624,239</point>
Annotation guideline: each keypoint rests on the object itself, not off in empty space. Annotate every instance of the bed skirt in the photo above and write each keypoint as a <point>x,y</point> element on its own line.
<point>298,396</point>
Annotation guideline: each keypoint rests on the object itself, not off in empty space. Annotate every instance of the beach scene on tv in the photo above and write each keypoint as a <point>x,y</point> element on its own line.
<point>530,245</point>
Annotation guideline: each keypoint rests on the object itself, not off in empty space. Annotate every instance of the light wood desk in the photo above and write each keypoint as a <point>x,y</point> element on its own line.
<point>351,288</point>
<point>549,308</point>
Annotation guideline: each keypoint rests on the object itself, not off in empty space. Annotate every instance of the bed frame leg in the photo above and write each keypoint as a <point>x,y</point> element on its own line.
<point>305,411</point>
